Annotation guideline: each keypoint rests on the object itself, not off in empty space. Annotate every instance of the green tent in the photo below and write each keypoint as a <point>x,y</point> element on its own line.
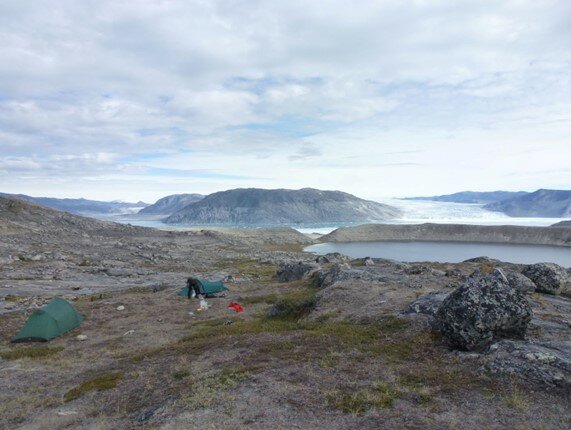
<point>207,288</point>
<point>54,319</point>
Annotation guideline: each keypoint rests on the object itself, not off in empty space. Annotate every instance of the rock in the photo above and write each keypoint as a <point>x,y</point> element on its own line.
<point>81,337</point>
<point>515,280</point>
<point>438,273</point>
<point>520,282</point>
<point>121,308</point>
<point>127,333</point>
<point>418,270</point>
<point>368,261</point>
<point>332,257</point>
<point>482,259</point>
<point>288,272</point>
<point>453,273</point>
<point>548,278</point>
<point>117,272</point>
<point>547,363</point>
<point>481,311</point>
<point>427,304</point>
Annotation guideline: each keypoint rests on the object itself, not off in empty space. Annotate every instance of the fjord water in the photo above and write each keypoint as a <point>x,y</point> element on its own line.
<point>448,252</point>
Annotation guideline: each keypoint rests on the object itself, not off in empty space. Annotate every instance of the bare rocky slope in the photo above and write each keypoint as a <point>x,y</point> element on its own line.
<point>558,236</point>
<point>345,344</point>
<point>259,206</point>
<point>170,204</point>
<point>541,203</point>
<point>473,196</point>
<point>562,224</point>
<point>79,206</point>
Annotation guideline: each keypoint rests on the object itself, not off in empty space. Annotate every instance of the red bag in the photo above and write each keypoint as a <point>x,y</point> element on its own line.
<point>236,306</point>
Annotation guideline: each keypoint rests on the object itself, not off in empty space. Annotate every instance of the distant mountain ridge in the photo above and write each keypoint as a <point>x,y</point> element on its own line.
<point>170,204</point>
<point>244,206</point>
<point>562,224</point>
<point>482,197</point>
<point>541,203</point>
<point>80,206</point>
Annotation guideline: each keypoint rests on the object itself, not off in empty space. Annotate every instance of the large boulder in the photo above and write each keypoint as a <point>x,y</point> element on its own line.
<point>548,278</point>
<point>482,310</point>
<point>289,272</point>
<point>332,257</point>
<point>515,280</point>
<point>520,282</point>
<point>427,304</point>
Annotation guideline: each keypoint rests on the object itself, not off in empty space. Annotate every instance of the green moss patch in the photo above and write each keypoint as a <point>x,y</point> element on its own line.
<point>30,353</point>
<point>99,383</point>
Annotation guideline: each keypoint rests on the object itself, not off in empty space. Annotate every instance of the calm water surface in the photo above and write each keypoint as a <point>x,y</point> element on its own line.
<point>450,252</point>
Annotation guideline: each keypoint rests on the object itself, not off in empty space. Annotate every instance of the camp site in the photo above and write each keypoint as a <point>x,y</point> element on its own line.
<point>285,215</point>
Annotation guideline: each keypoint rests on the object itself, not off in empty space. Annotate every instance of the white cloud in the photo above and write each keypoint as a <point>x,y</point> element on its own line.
<point>380,98</point>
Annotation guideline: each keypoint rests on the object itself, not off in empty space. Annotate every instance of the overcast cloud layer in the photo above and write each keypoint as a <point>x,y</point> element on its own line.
<point>139,99</point>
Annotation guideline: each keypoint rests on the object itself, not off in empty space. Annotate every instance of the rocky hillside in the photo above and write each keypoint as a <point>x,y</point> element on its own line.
<point>541,203</point>
<point>473,197</point>
<point>17,215</point>
<point>258,206</point>
<point>452,233</point>
<point>170,204</point>
<point>80,206</point>
<point>562,224</point>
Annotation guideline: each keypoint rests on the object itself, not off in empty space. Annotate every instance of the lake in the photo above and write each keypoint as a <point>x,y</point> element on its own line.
<point>448,252</point>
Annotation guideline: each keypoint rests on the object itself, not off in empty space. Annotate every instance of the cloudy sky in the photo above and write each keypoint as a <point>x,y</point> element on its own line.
<point>137,99</point>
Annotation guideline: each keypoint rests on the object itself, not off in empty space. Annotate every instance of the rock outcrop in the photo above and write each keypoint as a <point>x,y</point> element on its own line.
<point>289,272</point>
<point>427,304</point>
<point>547,364</point>
<point>481,311</point>
<point>548,277</point>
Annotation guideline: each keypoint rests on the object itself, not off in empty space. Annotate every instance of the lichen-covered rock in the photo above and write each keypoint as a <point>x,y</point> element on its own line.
<point>482,310</point>
<point>548,278</point>
<point>548,363</point>
<point>427,304</point>
<point>515,280</point>
<point>520,282</point>
<point>289,272</point>
<point>482,259</point>
<point>332,257</point>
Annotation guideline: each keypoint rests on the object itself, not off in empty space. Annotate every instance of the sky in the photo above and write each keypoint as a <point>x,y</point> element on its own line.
<point>138,99</point>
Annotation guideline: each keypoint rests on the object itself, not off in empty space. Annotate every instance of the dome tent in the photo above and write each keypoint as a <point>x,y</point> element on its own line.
<point>207,288</point>
<point>54,319</point>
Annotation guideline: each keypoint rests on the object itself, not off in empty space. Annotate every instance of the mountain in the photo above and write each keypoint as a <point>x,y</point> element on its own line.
<point>472,197</point>
<point>170,204</point>
<point>541,203</point>
<point>562,224</point>
<point>80,206</point>
<point>258,206</point>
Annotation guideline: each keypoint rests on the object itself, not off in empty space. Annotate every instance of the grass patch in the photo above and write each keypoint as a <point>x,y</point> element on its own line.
<point>270,298</point>
<point>515,400</point>
<point>252,268</point>
<point>10,298</point>
<point>381,395</point>
<point>438,375</point>
<point>99,383</point>
<point>295,304</point>
<point>181,374</point>
<point>206,392</point>
<point>33,353</point>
